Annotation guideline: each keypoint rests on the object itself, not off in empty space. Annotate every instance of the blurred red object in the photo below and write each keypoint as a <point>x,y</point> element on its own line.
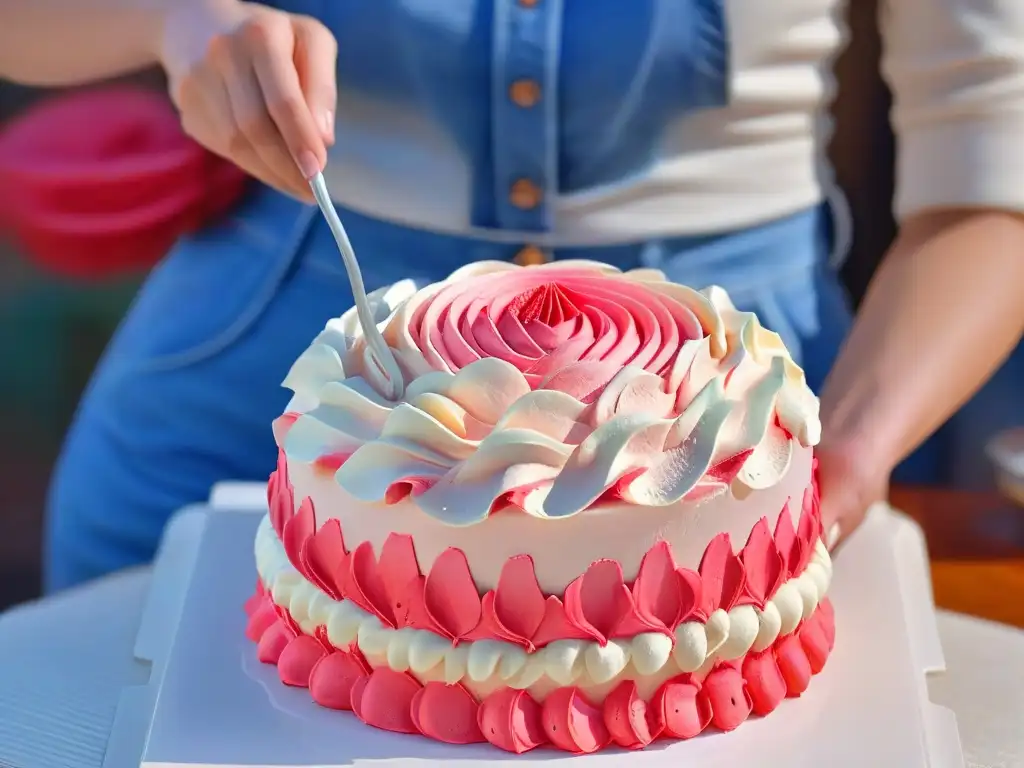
<point>102,182</point>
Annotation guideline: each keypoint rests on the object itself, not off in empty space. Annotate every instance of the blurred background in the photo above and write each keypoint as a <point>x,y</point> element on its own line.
<point>54,326</point>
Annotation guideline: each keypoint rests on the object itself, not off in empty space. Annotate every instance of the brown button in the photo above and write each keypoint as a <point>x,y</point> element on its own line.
<point>528,3</point>
<point>525,194</point>
<point>524,93</point>
<point>531,256</point>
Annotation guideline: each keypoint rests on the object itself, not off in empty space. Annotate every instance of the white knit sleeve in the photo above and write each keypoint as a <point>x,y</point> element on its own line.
<point>956,69</point>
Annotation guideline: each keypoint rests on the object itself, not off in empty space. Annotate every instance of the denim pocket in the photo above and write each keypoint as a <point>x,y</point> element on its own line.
<point>213,286</point>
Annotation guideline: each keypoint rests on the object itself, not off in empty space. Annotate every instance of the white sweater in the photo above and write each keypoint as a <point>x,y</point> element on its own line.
<point>956,69</point>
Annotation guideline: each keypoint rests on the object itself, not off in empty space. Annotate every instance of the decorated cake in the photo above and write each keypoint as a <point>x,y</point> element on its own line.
<point>558,507</point>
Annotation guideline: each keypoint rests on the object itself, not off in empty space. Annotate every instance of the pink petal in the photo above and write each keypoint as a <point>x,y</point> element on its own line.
<point>262,619</point>
<point>368,587</point>
<point>679,710</point>
<point>491,628</point>
<point>627,718</point>
<point>793,664</point>
<point>572,723</point>
<point>785,538</point>
<point>762,565</point>
<point>656,591</point>
<point>691,596</point>
<point>280,495</point>
<point>597,601</point>
<point>286,618</point>
<point>273,642</point>
<point>296,530</point>
<point>518,602</point>
<point>414,609</point>
<point>807,533</point>
<point>764,681</point>
<point>297,660</point>
<point>556,625</point>
<point>815,642</point>
<point>721,574</point>
<point>727,697</point>
<point>322,554</point>
<point>447,713</point>
<point>384,700</point>
<point>333,678</point>
<point>511,720</point>
<point>252,603</point>
<point>450,595</point>
<point>398,570</point>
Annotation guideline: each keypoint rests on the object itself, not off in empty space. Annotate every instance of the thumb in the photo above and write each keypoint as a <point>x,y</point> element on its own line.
<point>839,497</point>
<point>846,494</point>
<point>832,516</point>
<point>316,57</point>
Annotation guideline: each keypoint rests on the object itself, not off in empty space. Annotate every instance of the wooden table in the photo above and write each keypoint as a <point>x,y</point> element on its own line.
<point>976,544</point>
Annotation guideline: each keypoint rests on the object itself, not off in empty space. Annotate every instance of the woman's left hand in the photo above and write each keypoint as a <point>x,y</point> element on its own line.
<point>850,480</point>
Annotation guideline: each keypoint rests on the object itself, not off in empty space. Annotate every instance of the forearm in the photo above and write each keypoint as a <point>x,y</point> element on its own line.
<point>943,311</point>
<point>66,42</point>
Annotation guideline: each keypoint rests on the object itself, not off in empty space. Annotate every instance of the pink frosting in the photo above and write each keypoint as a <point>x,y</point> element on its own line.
<point>598,605</point>
<point>512,720</point>
<point>569,330</point>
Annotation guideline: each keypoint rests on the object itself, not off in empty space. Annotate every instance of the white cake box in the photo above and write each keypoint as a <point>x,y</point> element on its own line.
<point>211,703</point>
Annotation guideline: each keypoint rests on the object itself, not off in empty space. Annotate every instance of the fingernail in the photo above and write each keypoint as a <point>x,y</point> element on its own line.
<point>308,164</point>
<point>832,538</point>
<point>327,124</point>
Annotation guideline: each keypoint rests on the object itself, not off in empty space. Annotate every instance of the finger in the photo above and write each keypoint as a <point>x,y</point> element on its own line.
<point>273,48</point>
<point>260,145</point>
<point>316,61</point>
<point>259,133</point>
<point>207,117</point>
<point>833,536</point>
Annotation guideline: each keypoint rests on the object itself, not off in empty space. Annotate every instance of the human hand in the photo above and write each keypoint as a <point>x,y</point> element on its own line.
<point>850,480</point>
<point>254,85</point>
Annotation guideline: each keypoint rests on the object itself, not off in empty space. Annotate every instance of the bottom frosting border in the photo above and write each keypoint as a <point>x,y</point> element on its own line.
<point>510,719</point>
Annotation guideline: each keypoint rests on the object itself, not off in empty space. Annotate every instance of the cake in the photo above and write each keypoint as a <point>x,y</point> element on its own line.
<point>575,508</point>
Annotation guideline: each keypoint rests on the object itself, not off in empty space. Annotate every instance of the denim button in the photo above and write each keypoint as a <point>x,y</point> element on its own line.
<point>531,256</point>
<point>524,93</point>
<point>525,195</point>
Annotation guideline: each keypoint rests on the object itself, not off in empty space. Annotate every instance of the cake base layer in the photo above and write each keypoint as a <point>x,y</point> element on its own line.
<point>722,697</point>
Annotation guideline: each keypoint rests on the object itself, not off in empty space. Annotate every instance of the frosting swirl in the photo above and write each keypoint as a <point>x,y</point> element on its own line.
<point>549,389</point>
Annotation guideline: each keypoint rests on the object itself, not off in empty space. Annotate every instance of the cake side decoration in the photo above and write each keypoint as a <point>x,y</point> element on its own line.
<point>549,389</point>
<point>733,604</point>
<point>682,707</point>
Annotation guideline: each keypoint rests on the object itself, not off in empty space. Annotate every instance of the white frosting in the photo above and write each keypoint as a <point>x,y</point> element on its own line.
<point>430,656</point>
<point>561,549</point>
<point>471,428</point>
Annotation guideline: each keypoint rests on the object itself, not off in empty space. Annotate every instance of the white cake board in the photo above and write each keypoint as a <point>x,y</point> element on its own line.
<point>214,705</point>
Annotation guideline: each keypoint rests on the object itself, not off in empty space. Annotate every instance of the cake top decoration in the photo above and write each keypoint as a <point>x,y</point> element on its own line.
<point>548,389</point>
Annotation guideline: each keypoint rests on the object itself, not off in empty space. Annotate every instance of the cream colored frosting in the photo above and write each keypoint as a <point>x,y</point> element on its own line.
<point>725,636</point>
<point>470,433</point>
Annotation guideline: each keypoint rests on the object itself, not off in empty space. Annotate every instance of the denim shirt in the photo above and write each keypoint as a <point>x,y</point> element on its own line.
<point>579,121</point>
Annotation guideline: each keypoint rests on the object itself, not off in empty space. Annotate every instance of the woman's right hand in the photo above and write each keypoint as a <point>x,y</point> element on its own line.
<point>254,85</point>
